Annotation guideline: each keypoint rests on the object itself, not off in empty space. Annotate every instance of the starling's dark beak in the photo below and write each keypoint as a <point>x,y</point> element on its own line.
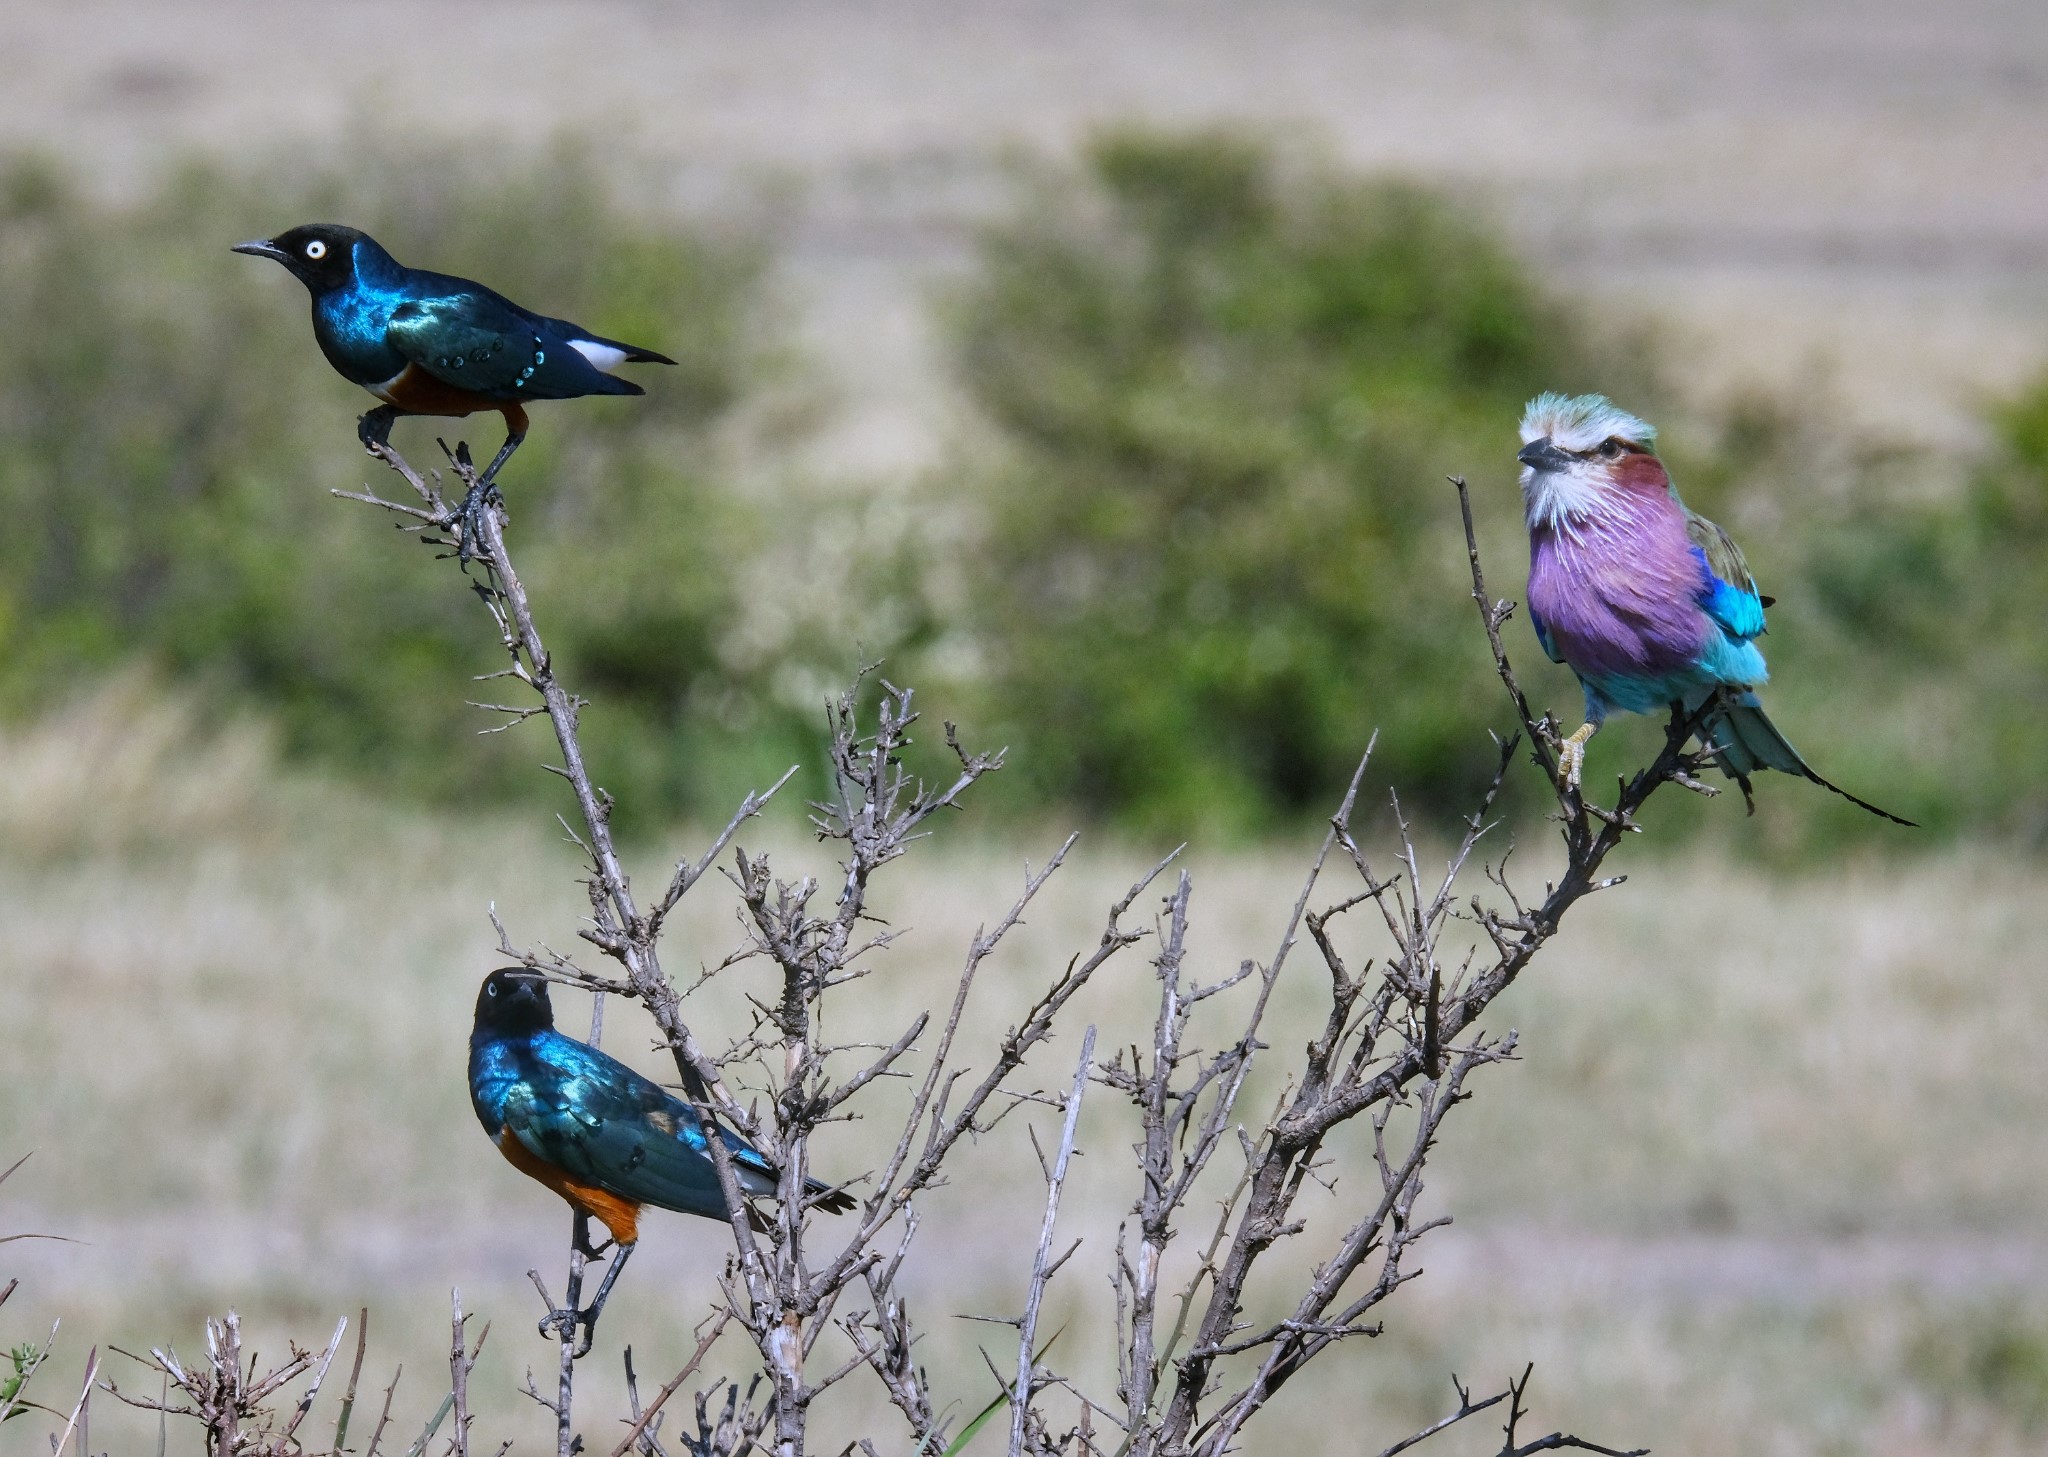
<point>261,248</point>
<point>1541,455</point>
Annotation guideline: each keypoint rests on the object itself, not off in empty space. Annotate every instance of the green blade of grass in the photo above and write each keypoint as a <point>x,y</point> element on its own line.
<point>1002,1400</point>
<point>420,1445</point>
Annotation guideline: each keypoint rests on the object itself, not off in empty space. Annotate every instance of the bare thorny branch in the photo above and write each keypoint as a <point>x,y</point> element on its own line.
<point>1399,1038</point>
<point>877,810</point>
<point>1398,1041</point>
<point>229,1399</point>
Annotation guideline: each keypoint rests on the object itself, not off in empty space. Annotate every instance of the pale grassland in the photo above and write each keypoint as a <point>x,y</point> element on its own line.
<point>1769,1178</point>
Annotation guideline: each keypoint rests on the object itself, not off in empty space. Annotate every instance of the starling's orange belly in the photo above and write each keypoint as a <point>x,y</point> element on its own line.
<point>620,1216</point>
<point>416,392</point>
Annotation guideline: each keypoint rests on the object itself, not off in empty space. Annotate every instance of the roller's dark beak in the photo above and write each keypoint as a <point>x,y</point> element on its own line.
<point>1541,455</point>
<point>261,248</point>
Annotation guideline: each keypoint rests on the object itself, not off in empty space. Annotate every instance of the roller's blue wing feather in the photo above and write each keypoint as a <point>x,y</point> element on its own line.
<point>1729,594</point>
<point>1735,724</point>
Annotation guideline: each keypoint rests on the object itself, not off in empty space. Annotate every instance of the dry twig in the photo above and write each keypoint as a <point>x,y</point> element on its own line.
<point>1398,1042</point>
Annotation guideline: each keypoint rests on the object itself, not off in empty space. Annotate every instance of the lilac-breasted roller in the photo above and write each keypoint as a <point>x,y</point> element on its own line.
<point>1649,603</point>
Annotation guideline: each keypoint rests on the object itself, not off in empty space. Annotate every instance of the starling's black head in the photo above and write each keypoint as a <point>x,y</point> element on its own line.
<point>320,255</point>
<point>514,1001</point>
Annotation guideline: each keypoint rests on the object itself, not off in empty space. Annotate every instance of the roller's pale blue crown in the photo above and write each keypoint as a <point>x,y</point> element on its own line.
<point>1581,422</point>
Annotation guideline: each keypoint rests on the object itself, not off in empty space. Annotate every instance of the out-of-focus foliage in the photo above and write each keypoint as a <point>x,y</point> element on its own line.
<point>2007,646</point>
<point>1220,549</point>
<point>1216,550</point>
<point>1949,599</point>
<point>168,434</point>
<point>1995,1353</point>
<point>1203,551</point>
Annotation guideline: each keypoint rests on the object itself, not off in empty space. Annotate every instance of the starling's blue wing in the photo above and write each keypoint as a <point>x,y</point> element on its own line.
<point>477,341</point>
<point>600,1122</point>
<point>603,1124</point>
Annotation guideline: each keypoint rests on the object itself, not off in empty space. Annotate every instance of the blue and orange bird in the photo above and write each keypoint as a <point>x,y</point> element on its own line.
<point>430,344</point>
<point>597,1133</point>
<point>1649,603</point>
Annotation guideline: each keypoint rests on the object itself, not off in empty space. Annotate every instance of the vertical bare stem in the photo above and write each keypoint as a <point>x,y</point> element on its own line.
<point>78,1413</point>
<point>621,930</point>
<point>384,1416</point>
<point>461,1361</point>
<point>348,1398</point>
<point>572,1300</point>
<point>1042,1263</point>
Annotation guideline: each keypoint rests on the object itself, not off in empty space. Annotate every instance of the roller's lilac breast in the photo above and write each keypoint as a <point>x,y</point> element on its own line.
<point>1619,596</point>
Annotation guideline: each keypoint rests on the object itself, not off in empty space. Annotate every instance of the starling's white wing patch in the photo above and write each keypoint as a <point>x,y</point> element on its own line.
<point>601,356</point>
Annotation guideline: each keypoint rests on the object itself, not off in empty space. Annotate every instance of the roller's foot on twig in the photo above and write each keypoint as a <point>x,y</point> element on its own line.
<point>562,1324</point>
<point>1571,756</point>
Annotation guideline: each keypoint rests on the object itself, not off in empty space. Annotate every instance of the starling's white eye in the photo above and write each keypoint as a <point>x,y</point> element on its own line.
<point>316,250</point>
<point>491,990</point>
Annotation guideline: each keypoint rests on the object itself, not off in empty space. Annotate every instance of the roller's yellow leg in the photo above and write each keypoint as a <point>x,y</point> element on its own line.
<point>1571,754</point>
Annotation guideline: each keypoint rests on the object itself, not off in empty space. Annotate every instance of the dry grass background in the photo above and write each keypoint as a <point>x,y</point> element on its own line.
<point>1770,1178</point>
<point>1766,1180</point>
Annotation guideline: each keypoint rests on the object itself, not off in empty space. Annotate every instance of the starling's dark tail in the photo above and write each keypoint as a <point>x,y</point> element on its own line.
<point>837,1201</point>
<point>1744,741</point>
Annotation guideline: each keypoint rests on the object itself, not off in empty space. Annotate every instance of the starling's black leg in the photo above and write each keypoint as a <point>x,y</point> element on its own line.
<point>374,428</point>
<point>512,443</point>
<point>563,1323</point>
<point>484,490</point>
<point>479,498</point>
<point>604,1289</point>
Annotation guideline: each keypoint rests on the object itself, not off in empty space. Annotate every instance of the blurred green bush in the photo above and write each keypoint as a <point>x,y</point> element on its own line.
<point>1943,604</point>
<point>1200,551</point>
<point>1211,549</point>
<point>1993,1353</point>
<point>1219,549</point>
<point>168,433</point>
